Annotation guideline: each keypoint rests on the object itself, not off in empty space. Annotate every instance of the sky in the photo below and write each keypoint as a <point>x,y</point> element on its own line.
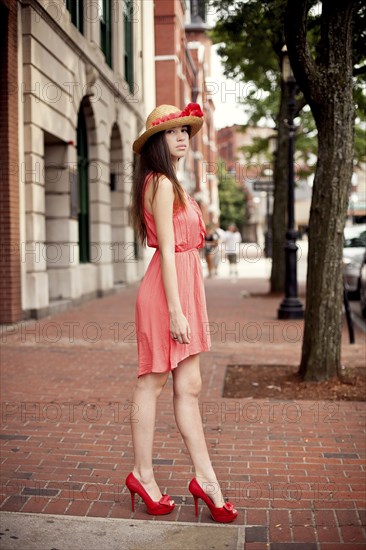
<point>225,94</point>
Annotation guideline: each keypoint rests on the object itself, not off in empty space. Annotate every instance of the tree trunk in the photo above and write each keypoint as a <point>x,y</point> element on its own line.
<point>327,86</point>
<point>280,178</point>
<point>324,292</point>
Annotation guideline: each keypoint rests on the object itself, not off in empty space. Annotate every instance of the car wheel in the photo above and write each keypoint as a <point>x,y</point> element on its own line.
<point>355,294</point>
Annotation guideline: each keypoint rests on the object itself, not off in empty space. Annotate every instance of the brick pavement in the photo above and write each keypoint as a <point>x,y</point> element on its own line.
<point>295,469</point>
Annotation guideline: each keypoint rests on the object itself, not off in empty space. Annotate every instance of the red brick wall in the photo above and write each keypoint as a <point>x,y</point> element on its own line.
<point>169,32</point>
<point>167,84</point>
<point>10,283</point>
<point>171,39</point>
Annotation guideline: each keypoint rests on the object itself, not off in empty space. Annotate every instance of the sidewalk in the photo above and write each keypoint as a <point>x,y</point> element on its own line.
<point>295,469</point>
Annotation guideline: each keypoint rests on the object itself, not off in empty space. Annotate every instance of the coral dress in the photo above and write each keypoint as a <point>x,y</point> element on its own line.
<point>157,351</point>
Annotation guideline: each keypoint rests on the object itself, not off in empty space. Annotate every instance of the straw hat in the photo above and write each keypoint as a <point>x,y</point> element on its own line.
<point>168,116</point>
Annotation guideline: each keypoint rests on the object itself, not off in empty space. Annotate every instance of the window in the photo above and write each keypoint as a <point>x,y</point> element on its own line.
<point>198,10</point>
<point>112,181</point>
<point>76,9</point>
<point>83,195</point>
<point>105,7</point>
<point>128,27</point>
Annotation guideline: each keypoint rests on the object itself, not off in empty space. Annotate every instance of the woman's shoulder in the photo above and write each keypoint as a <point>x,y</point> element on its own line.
<point>161,190</point>
<point>163,182</point>
<point>159,179</point>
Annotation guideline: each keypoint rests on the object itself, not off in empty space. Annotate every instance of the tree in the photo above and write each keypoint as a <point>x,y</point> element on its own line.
<point>306,145</point>
<point>255,57</point>
<point>324,73</point>
<point>232,199</point>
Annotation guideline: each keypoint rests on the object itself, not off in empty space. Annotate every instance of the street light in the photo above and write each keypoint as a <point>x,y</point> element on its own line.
<point>291,307</point>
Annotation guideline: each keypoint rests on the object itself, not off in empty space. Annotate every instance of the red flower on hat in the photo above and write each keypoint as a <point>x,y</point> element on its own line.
<point>192,109</point>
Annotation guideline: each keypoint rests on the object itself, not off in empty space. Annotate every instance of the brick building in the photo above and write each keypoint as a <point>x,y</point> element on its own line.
<point>182,66</point>
<point>230,141</point>
<point>68,124</point>
<point>10,282</point>
<point>78,80</point>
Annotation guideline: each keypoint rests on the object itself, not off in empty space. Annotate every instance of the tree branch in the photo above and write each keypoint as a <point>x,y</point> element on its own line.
<point>302,62</point>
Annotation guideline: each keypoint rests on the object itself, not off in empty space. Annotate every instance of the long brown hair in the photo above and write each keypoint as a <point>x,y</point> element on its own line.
<point>154,159</point>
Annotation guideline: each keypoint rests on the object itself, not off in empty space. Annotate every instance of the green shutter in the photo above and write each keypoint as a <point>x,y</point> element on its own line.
<point>83,166</point>
<point>128,27</point>
<point>76,9</point>
<point>106,30</point>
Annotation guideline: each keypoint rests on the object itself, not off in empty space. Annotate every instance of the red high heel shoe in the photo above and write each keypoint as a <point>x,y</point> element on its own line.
<point>226,514</point>
<point>160,508</point>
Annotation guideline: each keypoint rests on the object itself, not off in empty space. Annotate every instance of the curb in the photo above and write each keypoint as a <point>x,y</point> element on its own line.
<point>54,532</point>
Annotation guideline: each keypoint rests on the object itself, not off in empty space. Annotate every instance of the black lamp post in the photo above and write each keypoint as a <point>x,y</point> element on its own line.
<point>291,307</point>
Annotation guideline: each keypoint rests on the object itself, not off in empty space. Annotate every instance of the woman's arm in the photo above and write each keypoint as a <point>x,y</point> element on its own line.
<point>162,209</point>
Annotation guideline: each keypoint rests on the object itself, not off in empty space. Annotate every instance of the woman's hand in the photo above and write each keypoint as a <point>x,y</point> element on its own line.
<point>179,328</point>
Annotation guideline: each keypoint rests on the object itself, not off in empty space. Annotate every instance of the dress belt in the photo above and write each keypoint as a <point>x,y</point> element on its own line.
<point>187,250</point>
<point>180,251</point>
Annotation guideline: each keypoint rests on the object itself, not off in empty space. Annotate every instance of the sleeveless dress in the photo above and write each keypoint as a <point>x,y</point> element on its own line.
<point>157,351</point>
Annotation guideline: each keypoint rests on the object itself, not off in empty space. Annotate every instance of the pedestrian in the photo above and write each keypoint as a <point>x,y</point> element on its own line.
<point>171,315</point>
<point>211,249</point>
<point>232,242</point>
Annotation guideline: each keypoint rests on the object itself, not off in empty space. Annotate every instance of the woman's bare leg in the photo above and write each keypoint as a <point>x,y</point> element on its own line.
<point>147,391</point>
<point>187,386</point>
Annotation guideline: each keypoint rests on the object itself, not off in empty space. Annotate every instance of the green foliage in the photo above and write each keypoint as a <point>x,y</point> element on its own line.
<point>306,145</point>
<point>360,141</point>
<point>258,148</point>
<point>232,199</point>
<point>258,28</point>
<point>359,81</point>
<point>359,41</point>
<point>255,57</point>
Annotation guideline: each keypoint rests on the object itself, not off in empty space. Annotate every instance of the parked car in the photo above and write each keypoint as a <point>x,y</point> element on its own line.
<point>363,288</point>
<point>353,253</point>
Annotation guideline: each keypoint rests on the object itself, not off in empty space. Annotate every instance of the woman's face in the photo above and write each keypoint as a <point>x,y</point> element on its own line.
<point>178,141</point>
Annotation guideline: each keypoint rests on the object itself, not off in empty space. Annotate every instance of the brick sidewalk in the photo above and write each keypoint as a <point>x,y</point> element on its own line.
<point>295,469</point>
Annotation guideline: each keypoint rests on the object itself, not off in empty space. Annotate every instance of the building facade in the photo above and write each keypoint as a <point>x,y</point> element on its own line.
<point>254,174</point>
<point>10,281</point>
<point>230,143</point>
<point>182,65</point>
<point>81,77</point>
<point>84,71</point>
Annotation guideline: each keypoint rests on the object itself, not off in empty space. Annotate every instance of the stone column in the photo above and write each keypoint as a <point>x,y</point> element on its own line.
<point>62,251</point>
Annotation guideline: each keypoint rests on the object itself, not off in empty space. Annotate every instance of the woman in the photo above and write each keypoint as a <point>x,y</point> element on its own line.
<point>171,317</point>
